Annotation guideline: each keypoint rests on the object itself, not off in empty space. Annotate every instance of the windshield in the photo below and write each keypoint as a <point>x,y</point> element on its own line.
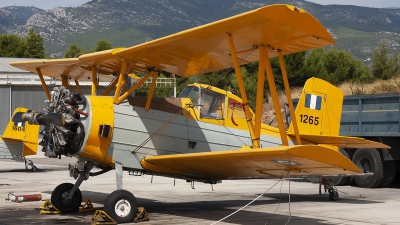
<point>191,92</point>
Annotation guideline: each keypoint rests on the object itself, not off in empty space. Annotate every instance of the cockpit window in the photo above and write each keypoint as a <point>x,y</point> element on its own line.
<point>212,105</point>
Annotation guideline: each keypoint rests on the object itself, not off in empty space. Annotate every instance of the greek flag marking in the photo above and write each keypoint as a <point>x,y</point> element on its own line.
<point>313,101</point>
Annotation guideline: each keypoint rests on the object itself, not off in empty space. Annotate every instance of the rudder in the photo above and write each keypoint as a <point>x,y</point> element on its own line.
<point>319,109</point>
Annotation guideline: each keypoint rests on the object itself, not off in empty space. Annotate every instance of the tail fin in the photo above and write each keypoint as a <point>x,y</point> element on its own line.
<point>319,109</point>
<point>19,134</point>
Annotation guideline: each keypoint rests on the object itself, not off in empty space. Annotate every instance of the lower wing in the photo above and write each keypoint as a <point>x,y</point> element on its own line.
<point>300,161</point>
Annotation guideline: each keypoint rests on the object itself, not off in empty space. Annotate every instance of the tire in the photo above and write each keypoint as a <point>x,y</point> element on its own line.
<point>60,193</point>
<point>121,205</point>
<point>345,180</point>
<point>333,195</point>
<point>368,160</point>
<point>390,173</point>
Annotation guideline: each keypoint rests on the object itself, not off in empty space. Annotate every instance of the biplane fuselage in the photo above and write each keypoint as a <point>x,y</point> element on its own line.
<point>211,121</point>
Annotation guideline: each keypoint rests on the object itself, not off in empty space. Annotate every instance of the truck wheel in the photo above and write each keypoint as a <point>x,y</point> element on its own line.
<point>368,160</point>
<point>390,173</point>
<point>345,180</point>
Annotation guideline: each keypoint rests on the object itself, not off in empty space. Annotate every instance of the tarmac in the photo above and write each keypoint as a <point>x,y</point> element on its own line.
<point>169,201</point>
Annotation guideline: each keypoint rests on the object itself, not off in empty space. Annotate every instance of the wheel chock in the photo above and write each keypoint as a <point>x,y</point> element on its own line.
<point>48,208</point>
<point>87,206</point>
<point>100,217</point>
<point>141,215</point>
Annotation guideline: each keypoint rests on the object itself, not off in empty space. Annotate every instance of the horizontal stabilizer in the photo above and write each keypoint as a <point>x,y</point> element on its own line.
<point>301,160</point>
<point>343,141</point>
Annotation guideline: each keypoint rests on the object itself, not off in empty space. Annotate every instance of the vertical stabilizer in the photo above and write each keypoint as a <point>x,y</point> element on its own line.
<point>20,138</point>
<point>319,109</point>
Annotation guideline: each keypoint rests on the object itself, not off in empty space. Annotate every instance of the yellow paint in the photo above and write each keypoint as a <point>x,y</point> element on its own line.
<point>325,121</point>
<point>120,81</point>
<point>94,81</point>
<point>241,88</point>
<point>27,134</point>
<point>44,85</point>
<point>78,87</point>
<point>110,87</point>
<point>289,99</point>
<point>259,162</point>
<point>65,83</point>
<point>151,91</point>
<point>260,98</point>
<point>275,100</point>
<point>102,112</point>
<point>132,89</point>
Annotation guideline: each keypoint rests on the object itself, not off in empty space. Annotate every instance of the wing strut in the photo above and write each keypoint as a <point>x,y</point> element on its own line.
<point>132,89</point>
<point>260,97</point>
<point>44,85</point>
<point>110,87</point>
<point>242,90</point>
<point>289,98</point>
<point>64,82</point>
<point>275,101</point>
<point>94,81</point>
<point>153,84</point>
<point>120,80</point>
<point>78,87</point>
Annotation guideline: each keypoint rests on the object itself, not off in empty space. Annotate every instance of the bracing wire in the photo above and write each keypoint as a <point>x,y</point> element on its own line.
<point>280,180</point>
<point>290,211</point>
<point>187,106</point>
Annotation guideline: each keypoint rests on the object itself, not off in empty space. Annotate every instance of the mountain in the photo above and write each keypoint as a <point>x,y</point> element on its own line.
<point>129,22</point>
<point>23,12</point>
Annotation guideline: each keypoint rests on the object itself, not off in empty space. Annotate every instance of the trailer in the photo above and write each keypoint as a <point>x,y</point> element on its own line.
<point>376,118</point>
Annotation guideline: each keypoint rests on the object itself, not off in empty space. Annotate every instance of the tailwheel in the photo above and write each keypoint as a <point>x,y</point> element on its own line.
<point>60,199</point>
<point>333,195</point>
<point>121,205</point>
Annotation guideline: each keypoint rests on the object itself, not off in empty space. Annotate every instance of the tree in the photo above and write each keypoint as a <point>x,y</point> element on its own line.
<point>381,65</point>
<point>102,45</point>
<point>395,64</point>
<point>74,51</point>
<point>34,45</point>
<point>12,45</point>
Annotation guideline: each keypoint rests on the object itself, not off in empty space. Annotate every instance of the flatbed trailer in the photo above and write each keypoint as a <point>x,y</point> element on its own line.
<point>377,118</point>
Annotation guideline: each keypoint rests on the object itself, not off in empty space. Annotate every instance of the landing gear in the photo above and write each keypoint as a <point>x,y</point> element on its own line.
<point>29,162</point>
<point>329,185</point>
<point>60,198</point>
<point>67,197</point>
<point>121,205</point>
<point>333,194</point>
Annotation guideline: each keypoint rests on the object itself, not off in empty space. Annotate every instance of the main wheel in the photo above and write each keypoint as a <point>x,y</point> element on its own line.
<point>60,201</point>
<point>368,160</point>
<point>121,205</point>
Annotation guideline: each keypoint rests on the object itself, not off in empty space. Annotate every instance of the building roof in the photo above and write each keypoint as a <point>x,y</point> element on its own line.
<point>5,66</point>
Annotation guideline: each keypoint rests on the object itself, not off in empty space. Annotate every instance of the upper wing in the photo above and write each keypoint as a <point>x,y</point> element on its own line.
<point>76,68</point>
<point>205,48</point>
<point>303,160</point>
<point>202,49</point>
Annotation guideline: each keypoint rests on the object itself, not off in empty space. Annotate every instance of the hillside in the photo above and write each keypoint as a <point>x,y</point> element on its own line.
<point>126,23</point>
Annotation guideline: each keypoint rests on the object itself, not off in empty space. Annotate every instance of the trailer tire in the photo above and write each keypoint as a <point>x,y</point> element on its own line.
<point>368,160</point>
<point>390,173</point>
<point>345,180</point>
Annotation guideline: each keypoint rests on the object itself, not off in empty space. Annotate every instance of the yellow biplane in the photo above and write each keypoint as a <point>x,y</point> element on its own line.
<point>205,134</point>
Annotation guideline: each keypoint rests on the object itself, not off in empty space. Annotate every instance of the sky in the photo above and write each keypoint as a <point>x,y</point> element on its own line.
<point>49,4</point>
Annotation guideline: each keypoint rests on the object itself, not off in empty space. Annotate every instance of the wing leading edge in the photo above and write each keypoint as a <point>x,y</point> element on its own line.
<point>301,160</point>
